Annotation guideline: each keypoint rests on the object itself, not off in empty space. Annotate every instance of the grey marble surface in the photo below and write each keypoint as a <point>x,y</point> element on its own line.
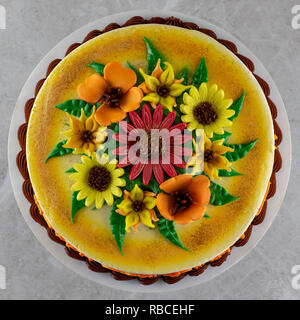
<point>33,28</point>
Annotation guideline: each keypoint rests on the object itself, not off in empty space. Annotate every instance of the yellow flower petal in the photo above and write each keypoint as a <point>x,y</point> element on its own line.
<point>146,219</point>
<point>176,89</point>
<point>167,77</point>
<point>203,91</point>
<point>151,82</point>
<point>108,197</point>
<point>149,202</point>
<point>125,206</point>
<point>131,220</point>
<point>152,97</point>
<point>136,194</point>
<point>168,102</point>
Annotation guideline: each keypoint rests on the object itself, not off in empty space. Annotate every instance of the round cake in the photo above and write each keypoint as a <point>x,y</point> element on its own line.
<point>120,199</point>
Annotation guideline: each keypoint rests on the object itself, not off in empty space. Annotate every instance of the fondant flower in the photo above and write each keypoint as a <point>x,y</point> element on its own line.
<point>115,91</point>
<point>214,158</point>
<point>196,160</point>
<point>166,155</point>
<point>185,198</point>
<point>98,180</point>
<point>138,206</point>
<point>85,135</point>
<point>205,108</point>
<point>162,87</point>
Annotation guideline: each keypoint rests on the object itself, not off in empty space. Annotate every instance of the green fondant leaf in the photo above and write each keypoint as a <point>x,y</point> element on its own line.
<point>219,196</point>
<point>98,67</point>
<point>240,150</point>
<point>226,135</point>
<point>72,170</point>
<point>117,225</point>
<point>201,74</point>
<point>74,107</point>
<point>237,106</point>
<point>139,77</point>
<point>167,229</point>
<point>76,205</point>
<point>152,56</point>
<point>231,173</point>
<point>59,151</point>
<point>184,74</point>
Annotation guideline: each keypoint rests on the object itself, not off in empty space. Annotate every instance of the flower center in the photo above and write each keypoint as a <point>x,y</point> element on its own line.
<point>146,146</point>
<point>208,155</point>
<point>87,136</point>
<point>182,200</point>
<point>112,97</point>
<point>205,114</point>
<point>163,91</point>
<point>99,178</point>
<point>137,206</point>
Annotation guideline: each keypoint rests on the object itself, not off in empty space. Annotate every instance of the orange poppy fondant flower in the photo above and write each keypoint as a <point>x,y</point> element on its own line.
<point>185,199</point>
<point>115,90</point>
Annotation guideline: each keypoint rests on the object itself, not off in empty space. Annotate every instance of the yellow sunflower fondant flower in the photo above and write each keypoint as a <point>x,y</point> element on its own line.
<point>98,180</point>
<point>138,206</point>
<point>205,108</point>
<point>214,158</point>
<point>161,87</point>
<point>85,134</point>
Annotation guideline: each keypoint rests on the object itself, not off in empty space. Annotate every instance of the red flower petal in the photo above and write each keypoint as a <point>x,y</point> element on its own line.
<point>180,126</point>
<point>120,137</point>
<point>169,169</point>
<point>124,162</point>
<point>147,117</point>
<point>126,127</point>
<point>136,120</point>
<point>136,170</point>
<point>121,151</point>
<point>177,161</point>
<point>147,173</point>
<point>157,117</point>
<point>158,173</point>
<point>168,120</point>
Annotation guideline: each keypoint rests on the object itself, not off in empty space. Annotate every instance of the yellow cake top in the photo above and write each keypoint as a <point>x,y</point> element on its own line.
<point>148,251</point>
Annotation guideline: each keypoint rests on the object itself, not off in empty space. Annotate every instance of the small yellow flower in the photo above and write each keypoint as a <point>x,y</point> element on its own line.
<point>214,158</point>
<point>162,87</point>
<point>85,134</point>
<point>98,180</point>
<point>205,108</point>
<point>138,206</point>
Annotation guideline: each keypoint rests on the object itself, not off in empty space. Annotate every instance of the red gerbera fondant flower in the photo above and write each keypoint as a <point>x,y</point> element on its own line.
<point>160,144</point>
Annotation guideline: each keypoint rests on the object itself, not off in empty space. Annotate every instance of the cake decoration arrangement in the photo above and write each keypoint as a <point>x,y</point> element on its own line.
<point>150,150</point>
<point>145,184</point>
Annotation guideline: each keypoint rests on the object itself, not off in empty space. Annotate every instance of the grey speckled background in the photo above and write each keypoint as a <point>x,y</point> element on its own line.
<point>33,28</point>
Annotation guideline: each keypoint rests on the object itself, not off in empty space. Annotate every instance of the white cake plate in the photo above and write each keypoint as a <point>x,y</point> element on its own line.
<point>80,267</point>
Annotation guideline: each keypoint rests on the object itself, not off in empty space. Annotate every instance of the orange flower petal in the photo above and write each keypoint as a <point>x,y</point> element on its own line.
<point>157,70</point>
<point>105,115</point>
<point>199,189</point>
<point>131,100</point>
<point>164,205</point>
<point>193,213</point>
<point>177,183</point>
<point>92,88</point>
<point>153,216</point>
<point>144,88</point>
<point>120,77</point>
